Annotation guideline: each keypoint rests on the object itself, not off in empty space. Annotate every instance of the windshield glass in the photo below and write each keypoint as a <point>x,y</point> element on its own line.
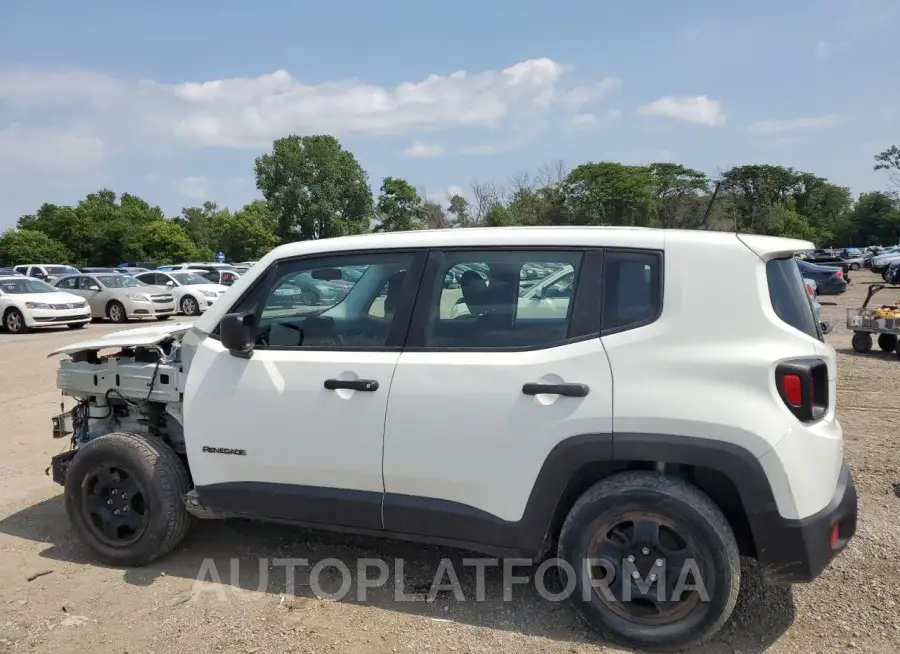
<point>119,281</point>
<point>25,285</point>
<point>60,270</point>
<point>189,279</point>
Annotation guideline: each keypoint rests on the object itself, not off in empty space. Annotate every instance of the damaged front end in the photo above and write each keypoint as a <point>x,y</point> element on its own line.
<point>129,381</point>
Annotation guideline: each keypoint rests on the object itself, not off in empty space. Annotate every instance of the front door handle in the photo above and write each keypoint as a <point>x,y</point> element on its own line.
<point>365,385</point>
<point>569,390</point>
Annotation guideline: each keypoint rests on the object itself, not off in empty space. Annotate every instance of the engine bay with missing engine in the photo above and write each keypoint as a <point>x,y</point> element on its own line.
<point>120,385</point>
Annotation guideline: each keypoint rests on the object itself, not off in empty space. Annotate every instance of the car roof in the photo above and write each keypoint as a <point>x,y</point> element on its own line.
<point>560,236</point>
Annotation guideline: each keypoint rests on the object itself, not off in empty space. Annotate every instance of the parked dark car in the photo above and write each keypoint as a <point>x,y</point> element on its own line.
<point>830,281</point>
<point>892,274</point>
<point>831,261</point>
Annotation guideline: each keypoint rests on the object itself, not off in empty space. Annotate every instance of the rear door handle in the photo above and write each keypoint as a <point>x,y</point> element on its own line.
<point>569,390</point>
<point>365,385</point>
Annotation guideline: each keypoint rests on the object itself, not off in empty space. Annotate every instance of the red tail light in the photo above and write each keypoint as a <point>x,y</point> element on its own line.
<point>803,387</point>
<point>809,291</point>
<point>839,274</point>
<point>791,386</point>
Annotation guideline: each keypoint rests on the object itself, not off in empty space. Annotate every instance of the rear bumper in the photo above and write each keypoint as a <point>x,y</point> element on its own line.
<point>796,551</point>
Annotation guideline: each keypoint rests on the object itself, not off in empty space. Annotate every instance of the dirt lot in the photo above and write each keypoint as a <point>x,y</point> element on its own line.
<point>80,606</point>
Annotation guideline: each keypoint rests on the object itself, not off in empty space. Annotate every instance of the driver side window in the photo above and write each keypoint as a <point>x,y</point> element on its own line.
<point>328,302</point>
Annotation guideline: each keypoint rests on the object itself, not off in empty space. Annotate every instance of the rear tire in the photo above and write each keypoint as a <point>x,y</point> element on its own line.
<point>682,525</point>
<point>95,488</point>
<point>887,342</point>
<point>854,266</point>
<point>862,342</point>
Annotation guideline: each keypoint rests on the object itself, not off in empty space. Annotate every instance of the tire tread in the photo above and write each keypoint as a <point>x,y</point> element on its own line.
<point>170,478</point>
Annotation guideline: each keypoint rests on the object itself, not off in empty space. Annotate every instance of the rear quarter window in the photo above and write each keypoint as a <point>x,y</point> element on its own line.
<point>789,298</point>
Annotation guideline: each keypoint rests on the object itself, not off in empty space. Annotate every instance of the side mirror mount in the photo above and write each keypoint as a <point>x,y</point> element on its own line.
<point>236,331</point>
<point>93,287</point>
<point>170,284</point>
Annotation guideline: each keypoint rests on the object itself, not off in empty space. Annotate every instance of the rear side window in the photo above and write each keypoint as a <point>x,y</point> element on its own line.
<point>632,289</point>
<point>789,298</point>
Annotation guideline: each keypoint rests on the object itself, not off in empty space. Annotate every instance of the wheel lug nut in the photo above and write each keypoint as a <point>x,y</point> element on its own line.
<point>631,558</point>
<point>116,512</point>
<point>124,509</point>
<point>636,574</point>
<point>645,551</point>
<point>652,577</point>
<point>659,563</point>
<point>114,492</point>
<point>109,501</point>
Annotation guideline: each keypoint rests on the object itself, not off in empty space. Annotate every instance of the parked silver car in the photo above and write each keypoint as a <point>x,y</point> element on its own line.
<point>120,297</point>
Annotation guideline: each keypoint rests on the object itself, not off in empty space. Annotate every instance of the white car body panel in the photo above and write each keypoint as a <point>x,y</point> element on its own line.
<point>54,317</point>
<point>454,417</point>
<point>455,425</point>
<point>302,434</point>
<point>136,337</point>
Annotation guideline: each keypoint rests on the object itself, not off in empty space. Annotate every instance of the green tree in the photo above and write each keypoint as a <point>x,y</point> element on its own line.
<point>460,211</point>
<point>609,193</point>
<point>199,224</point>
<point>315,188</point>
<point>165,241</point>
<point>874,219</point>
<point>399,207</point>
<point>247,234</point>
<point>889,161</point>
<point>676,190</point>
<point>758,192</point>
<point>20,246</point>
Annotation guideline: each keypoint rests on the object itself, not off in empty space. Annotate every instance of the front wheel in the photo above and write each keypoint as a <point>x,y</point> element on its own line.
<point>123,495</point>
<point>116,312</point>
<point>854,266</point>
<point>655,562</point>
<point>14,322</point>
<point>862,342</point>
<point>190,306</point>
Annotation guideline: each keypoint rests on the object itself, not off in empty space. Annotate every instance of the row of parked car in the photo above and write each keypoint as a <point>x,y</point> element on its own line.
<point>47,295</point>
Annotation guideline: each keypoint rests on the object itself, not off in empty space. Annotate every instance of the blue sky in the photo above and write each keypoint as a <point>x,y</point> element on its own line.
<point>173,100</point>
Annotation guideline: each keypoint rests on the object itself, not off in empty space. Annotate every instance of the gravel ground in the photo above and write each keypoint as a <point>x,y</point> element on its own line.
<point>77,605</point>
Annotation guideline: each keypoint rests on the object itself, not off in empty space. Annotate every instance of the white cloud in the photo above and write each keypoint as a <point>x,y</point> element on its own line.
<point>588,120</point>
<point>248,112</point>
<point>48,149</point>
<point>582,121</point>
<point>194,188</point>
<point>586,94</point>
<point>795,124</point>
<point>455,190</point>
<point>700,109</point>
<point>424,150</point>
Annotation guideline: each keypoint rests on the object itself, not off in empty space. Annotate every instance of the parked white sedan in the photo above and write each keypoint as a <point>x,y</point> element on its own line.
<point>193,292</point>
<point>27,303</point>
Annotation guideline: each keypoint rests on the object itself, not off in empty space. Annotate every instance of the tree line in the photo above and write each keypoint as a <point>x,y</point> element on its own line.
<point>313,188</point>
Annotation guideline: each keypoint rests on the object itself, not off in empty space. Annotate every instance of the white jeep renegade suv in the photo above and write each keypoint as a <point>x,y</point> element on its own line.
<point>643,415</point>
